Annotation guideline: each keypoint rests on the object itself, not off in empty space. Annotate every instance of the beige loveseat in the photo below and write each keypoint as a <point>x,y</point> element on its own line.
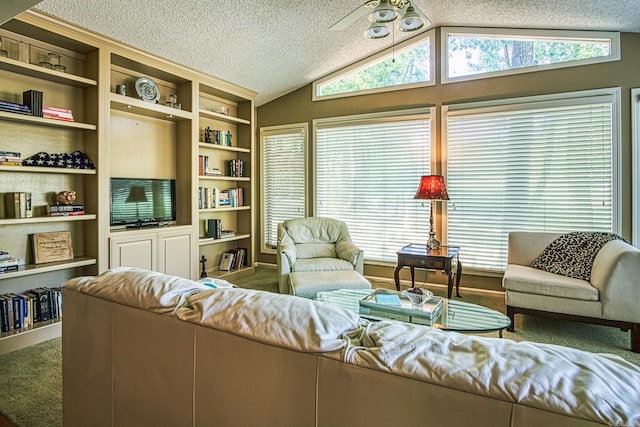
<point>145,349</point>
<point>610,297</point>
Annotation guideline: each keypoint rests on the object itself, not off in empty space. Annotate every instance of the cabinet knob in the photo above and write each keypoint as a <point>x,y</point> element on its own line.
<point>422,262</point>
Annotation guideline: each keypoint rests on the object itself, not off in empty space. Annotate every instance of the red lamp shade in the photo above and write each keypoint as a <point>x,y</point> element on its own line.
<point>432,187</point>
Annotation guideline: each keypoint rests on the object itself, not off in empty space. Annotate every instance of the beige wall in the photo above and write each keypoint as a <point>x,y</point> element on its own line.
<point>297,107</point>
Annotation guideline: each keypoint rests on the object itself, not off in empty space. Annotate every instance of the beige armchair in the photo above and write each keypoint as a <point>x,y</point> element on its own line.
<point>315,244</point>
<point>610,297</point>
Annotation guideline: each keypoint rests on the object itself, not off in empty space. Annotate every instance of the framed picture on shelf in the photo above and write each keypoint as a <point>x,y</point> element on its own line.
<point>226,262</point>
<point>53,246</point>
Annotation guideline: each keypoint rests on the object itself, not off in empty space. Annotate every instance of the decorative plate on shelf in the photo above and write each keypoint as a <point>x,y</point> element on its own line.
<point>147,89</point>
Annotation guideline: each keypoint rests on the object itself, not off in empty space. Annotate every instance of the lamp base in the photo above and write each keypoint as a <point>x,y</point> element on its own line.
<point>432,243</point>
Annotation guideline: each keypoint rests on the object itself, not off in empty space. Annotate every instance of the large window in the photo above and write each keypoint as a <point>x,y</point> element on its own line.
<point>543,163</point>
<point>470,53</point>
<point>367,171</point>
<point>635,163</point>
<point>409,64</point>
<point>283,178</point>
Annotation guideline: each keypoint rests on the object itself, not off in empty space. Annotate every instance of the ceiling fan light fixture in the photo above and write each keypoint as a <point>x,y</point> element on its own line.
<point>377,31</point>
<point>410,21</point>
<point>383,12</point>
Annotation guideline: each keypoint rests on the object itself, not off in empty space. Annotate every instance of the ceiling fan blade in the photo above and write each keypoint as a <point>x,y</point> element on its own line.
<point>353,16</point>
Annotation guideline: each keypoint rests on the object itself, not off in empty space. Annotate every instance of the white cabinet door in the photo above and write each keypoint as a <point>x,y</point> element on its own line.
<point>175,253</point>
<point>138,250</point>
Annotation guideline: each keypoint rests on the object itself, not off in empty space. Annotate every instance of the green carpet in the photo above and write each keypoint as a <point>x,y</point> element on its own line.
<point>31,378</point>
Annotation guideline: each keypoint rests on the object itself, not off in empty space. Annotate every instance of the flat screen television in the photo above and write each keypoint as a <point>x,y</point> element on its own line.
<point>140,201</point>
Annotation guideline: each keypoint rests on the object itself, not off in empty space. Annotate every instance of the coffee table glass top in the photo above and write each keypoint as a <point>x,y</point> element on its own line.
<point>455,316</point>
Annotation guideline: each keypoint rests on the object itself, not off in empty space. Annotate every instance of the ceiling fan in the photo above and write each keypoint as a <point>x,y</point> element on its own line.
<point>382,12</point>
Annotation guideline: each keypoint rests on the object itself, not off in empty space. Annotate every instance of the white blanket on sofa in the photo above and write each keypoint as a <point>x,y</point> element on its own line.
<point>603,388</point>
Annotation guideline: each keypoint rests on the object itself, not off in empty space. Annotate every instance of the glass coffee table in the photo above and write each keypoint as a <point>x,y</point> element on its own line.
<point>455,315</point>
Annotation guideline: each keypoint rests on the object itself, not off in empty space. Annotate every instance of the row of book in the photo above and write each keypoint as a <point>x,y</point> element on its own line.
<point>33,100</point>
<point>218,137</point>
<point>18,205</point>
<point>212,198</point>
<point>10,158</point>
<point>65,210</point>
<point>236,168</point>
<point>23,311</point>
<point>233,259</point>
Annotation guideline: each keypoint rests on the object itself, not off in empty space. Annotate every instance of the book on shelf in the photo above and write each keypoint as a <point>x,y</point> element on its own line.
<point>74,213</point>
<point>4,255</point>
<point>33,100</point>
<point>12,154</point>
<point>57,113</point>
<point>226,261</point>
<point>12,107</point>
<point>214,228</point>
<point>64,208</point>
<point>17,205</point>
<point>10,163</point>
<point>236,168</point>
<point>227,233</point>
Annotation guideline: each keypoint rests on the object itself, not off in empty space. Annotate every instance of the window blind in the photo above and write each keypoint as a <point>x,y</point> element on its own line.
<point>527,167</point>
<point>283,178</point>
<point>367,172</point>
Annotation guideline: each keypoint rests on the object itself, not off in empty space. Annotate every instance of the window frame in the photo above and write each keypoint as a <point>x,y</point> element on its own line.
<point>635,164</point>
<point>614,37</point>
<point>364,63</point>
<point>616,147</point>
<point>303,128</point>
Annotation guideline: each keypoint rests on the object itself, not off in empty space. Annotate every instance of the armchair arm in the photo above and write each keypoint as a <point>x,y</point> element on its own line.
<point>615,273</point>
<point>347,251</point>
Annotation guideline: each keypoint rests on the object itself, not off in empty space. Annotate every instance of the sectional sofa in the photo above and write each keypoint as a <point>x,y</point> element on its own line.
<point>142,348</point>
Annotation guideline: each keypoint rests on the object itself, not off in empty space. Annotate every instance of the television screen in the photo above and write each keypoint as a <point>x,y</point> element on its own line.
<point>142,201</point>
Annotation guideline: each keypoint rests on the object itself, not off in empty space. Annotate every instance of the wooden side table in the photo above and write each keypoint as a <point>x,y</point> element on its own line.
<point>418,256</point>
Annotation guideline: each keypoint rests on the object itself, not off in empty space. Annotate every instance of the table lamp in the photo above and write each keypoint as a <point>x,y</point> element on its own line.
<point>432,188</point>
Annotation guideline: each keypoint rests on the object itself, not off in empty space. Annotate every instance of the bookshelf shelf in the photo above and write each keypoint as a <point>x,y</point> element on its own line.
<point>35,169</point>
<point>132,105</point>
<point>236,208</point>
<point>42,219</point>
<point>212,241</point>
<point>41,331</point>
<point>223,147</point>
<point>223,117</point>
<point>29,269</point>
<point>225,178</point>
<point>42,121</point>
<point>33,70</point>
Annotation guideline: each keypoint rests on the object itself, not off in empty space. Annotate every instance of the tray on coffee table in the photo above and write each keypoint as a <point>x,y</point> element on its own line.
<point>426,314</point>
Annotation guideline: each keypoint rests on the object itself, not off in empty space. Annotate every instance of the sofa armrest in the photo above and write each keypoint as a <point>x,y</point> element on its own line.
<point>347,251</point>
<point>616,275</point>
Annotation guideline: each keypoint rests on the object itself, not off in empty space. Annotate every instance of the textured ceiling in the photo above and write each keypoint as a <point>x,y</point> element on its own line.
<point>274,47</point>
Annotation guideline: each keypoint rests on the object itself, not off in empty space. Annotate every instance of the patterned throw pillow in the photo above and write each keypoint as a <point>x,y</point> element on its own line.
<point>572,254</point>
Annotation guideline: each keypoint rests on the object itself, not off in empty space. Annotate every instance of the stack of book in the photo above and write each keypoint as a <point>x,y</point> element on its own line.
<point>33,100</point>
<point>8,263</point>
<point>227,233</point>
<point>17,205</point>
<point>65,210</point>
<point>12,107</point>
<point>22,311</point>
<point>10,158</point>
<point>57,113</point>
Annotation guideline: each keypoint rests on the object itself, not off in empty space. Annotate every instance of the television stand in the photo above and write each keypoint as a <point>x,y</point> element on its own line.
<point>141,224</point>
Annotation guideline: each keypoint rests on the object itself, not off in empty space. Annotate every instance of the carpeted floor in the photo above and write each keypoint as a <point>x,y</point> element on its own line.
<point>31,378</point>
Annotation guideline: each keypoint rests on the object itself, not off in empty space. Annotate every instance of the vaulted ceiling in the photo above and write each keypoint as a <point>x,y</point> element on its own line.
<point>274,47</point>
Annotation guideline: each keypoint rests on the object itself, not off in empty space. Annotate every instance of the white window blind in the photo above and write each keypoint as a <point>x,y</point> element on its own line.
<point>367,172</point>
<point>283,178</point>
<point>528,167</point>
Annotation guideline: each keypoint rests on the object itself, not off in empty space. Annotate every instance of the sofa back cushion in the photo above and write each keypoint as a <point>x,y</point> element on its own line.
<point>135,287</point>
<point>285,321</point>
